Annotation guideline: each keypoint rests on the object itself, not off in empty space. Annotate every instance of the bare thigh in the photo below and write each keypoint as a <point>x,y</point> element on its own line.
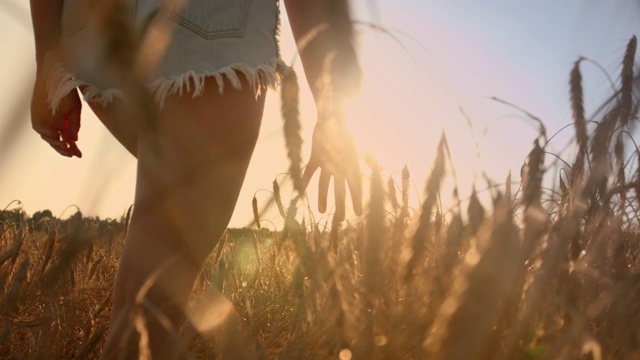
<point>115,118</point>
<point>190,171</point>
<point>192,165</point>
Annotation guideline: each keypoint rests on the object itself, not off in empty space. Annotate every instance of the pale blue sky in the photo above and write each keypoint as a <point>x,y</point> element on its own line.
<point>460,53</point>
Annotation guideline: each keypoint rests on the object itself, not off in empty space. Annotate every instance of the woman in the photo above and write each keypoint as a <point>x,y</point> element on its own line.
<point>207,64</point>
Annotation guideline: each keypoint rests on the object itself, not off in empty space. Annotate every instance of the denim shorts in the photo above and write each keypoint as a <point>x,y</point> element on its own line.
<point>208,38</point>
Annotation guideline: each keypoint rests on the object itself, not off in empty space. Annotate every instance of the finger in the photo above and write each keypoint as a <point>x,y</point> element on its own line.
<point>323,190</point>
<point>309,170</point>
<point>71,145</point>
<point>67,135</point>
<point>53,141</point>
<point>59,145</point>
<point>70,134</point>
<point>66,132</point>
<point>48,134</point>
<point>63,122</point>
<point>62,149</point>
<point>74,122</point>
<point>340,191</point>
<point>74,149</point>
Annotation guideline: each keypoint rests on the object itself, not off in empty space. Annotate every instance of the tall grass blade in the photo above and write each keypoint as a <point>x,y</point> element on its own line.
<point>421,237</point>
<point>626,87</point>
<point>289,93</point>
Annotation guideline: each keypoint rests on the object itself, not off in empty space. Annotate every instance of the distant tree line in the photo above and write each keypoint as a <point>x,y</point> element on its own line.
<point>44,220</point>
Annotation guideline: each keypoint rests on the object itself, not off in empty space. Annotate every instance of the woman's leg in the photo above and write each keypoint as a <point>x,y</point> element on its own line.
<point>113,116</point>
<point>190,171</point>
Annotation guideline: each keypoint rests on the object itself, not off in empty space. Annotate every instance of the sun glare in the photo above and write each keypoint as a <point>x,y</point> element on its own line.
<point>409,100</point>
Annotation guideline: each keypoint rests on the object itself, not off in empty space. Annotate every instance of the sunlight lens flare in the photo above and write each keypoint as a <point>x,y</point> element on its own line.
<point>211,311</point>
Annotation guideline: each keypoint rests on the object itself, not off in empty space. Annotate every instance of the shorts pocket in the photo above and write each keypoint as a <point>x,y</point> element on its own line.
<point>212,19</point>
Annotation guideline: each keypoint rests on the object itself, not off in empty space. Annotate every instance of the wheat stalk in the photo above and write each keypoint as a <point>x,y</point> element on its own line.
<point>373,273</point>
<point>289,93</point>
<point>127,220</point>
<point>579,121</point>
<point>399,225</point>
<point>10,303</point>
<point>424,223</point>
<point>86,349</point>
<point>532,176</point>
<point>51,242</point>
<point>256,214</point>
<point>405,188</point>
<point>627,81</point>
<point>475,212</point>
<point>577,104</point>
<point>393,198</point>
<point>278,199</point>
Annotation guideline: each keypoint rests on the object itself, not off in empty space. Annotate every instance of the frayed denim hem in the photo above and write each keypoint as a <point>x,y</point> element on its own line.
<point>261,77</point>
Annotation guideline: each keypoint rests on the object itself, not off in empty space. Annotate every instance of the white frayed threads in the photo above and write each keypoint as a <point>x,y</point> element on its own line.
<point>259,78</point>
<point>61,82</point>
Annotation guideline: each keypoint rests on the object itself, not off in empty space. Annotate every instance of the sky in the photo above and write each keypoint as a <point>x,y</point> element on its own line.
<point>433,60</point>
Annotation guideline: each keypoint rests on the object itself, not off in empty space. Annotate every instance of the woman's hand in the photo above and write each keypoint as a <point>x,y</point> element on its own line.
<point>333,152</point>
<point>59,129</point>
<point>324,34</point>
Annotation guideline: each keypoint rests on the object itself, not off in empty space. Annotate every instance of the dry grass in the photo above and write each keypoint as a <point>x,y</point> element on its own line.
<point>536,275</point>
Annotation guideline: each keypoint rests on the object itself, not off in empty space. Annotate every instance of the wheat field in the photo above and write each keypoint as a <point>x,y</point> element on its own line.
<point>544,264</point>
<point>538,272</point>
